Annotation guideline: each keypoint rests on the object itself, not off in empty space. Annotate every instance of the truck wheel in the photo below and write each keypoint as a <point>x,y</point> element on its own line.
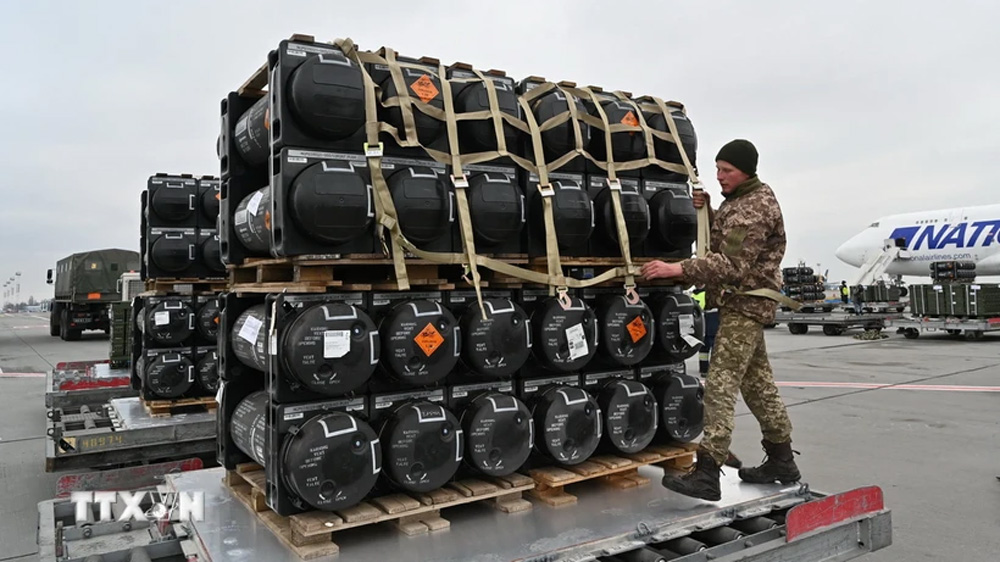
<point>832,330</point>
<point>798,329</point>
<point>65,333</point>
<point>54,322</point>
<point>974,335</point>
<point>63,326</point>
<point>911,333</point>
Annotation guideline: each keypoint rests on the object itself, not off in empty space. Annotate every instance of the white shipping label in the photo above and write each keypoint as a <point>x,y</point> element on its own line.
<point>336,343</point>
<point>241,217</point>
<point>251,329</point>
<point>686,323</point>
<point>254,204</point>
<point>691,340</point>
<point>577,340</point>
<point>161,318</point>
<point>218,395</point>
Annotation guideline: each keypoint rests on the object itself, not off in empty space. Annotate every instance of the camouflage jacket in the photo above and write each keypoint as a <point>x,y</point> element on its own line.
<point>745,253</point>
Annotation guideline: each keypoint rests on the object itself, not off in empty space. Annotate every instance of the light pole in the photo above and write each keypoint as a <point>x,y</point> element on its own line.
<point>17,304</point>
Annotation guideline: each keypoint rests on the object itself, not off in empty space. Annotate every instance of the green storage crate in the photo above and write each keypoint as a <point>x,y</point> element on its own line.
<point>918,300</point>
<point>935,301</point>
<point>984,300</point>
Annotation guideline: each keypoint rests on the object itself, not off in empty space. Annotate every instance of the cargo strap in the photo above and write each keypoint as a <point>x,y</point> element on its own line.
<point>385,210</point>
<point>546,191</point>
<point>461,185</point>
<point>704,222</point>
<point>768,294</point>
<point>615,185</point>
<point>406,104</point>
<point>558,283</point>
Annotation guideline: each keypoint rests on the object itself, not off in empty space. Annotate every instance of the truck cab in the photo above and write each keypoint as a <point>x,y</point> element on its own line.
<point>85,285</point>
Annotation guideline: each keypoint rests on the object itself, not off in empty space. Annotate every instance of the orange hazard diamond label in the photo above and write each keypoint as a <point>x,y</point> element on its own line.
<point>636,329</point>
<point>425,89</point>
<point>630,120</point>
<point>429,339</point>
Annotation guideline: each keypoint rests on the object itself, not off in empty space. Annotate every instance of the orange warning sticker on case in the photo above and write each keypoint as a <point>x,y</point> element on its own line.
<point>425,89</point>
<point>429,339</point>
<point>636,329</point>
<point>630,120</point>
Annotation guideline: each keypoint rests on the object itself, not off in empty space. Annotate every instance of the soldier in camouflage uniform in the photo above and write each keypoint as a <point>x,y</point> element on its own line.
<point>745,254</point>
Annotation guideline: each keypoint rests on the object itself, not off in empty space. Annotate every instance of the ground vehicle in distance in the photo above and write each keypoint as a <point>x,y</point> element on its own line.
<point>86,284</point>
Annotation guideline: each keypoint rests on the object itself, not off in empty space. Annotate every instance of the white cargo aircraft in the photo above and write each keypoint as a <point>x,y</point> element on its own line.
<point>906,244</point>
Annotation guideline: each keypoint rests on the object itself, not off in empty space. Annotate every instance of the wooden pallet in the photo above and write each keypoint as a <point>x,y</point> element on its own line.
<point>311,534</point>
<point>157,287</point>
<point>360,273</point>
<point>594,261</point>
<point>167,408</point>
<point>599,265</point>
<point>254,86</point>
<point>619,472</point>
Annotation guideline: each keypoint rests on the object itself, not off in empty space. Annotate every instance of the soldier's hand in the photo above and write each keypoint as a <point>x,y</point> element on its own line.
<point>657,269</point>
<point>701,198</point>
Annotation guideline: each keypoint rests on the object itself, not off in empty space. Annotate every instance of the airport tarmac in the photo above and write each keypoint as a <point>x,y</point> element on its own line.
<point>917,417</point>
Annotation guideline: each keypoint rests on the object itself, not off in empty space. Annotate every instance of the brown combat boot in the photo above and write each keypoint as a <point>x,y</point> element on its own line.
<point>733,461</point>
<point>702,482</point>
<point>779,465</point>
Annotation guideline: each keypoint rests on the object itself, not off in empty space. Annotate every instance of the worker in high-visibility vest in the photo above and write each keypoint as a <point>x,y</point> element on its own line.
<point>711,328</point>
<point>845,292</point>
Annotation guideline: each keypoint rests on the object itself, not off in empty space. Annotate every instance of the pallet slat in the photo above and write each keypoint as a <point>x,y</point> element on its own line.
<point>311,534</point>
<point>617,472</point>
<point>167,408</point>
<point>363,273</point>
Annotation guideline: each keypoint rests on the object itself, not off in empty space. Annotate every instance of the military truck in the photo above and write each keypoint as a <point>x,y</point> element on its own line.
<point>85,286</point>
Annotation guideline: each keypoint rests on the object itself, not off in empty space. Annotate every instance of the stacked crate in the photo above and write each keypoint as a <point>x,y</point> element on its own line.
<point>955,293</point>
<point>174,322</point>
<point>803,285</point>
<point>389,276</point>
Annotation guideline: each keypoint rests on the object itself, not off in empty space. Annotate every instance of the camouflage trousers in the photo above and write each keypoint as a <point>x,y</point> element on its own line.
<point>740,365</point>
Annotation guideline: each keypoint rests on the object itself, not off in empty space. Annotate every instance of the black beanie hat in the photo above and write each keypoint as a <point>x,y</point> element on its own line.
<point>741,154</point>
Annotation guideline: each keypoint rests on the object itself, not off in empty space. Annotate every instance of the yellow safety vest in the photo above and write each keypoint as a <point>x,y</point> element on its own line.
<point>700,299</point>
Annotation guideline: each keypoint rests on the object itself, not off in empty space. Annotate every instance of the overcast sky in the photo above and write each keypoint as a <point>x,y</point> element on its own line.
<point>859,109</point>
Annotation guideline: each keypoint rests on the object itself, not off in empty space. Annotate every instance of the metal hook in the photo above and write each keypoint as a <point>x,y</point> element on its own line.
<point>631,296</point>
<point>565,301</point>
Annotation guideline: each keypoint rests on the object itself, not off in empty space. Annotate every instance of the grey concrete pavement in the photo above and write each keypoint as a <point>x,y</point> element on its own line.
<point>25,349</point>
<point>934,452</point>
